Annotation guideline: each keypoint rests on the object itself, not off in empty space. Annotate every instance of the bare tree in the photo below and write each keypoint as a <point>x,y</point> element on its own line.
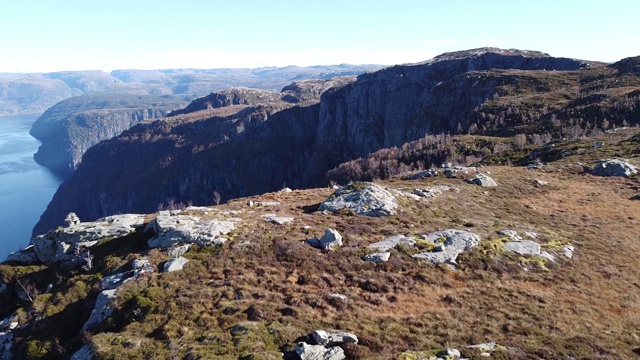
<point>27,290</point>
<point>88,261</point>
<point>216,197</point>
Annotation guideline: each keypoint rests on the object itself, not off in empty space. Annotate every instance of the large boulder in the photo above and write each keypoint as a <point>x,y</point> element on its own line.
<point>333,338</point>
<point>102,310</point>
<point>318,352</point>
<point>482,180</point>
<point>614,167</point>
<point>391,242</point>
<point>363,198</point>
<point>172,229</point>
<point>175,264</point>
<point>447,245</point>
<point>62,245</point>
<point>330,240</point>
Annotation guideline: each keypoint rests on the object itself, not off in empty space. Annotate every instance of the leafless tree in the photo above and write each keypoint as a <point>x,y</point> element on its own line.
<point>88,261</point>
<point>27,290</point>
<point>216,197</point>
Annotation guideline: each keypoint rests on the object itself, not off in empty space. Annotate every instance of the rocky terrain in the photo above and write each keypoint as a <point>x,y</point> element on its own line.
<point>392,120</point>
<point>486,261</point>
<point>34,93</point>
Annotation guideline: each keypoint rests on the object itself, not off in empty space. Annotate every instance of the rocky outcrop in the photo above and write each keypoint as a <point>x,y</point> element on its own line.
<point>173,228</point>
<point>482,180</point>
<point>72,126</point>
<point>103,309</point>
<point>362,198</point>
<point>447,245</point>
<point>614,167</point>
<point>65,245</point>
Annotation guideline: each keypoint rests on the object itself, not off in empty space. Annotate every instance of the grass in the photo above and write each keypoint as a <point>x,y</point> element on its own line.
<point>257,295</point>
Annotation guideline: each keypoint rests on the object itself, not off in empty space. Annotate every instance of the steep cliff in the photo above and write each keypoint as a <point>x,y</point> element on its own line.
<point>479,91</point>
<point>72,126</point>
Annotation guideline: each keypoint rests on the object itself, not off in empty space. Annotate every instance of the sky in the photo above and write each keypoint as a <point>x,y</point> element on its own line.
<point>45,36</point>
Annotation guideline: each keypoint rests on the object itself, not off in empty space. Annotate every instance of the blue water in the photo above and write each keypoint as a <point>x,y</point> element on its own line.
<point>25,187</point>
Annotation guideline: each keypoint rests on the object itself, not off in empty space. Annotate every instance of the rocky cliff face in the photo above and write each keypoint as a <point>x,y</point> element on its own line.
<point>72,126</point>
<point>263,148</point>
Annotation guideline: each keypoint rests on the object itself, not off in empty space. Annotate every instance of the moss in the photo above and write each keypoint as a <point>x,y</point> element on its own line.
<point>38,349</point>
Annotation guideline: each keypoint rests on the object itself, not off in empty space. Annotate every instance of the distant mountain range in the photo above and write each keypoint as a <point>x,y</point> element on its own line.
<point>36,92</point>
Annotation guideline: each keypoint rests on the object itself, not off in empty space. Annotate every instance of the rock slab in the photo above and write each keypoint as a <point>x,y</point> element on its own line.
<point>363,198</point>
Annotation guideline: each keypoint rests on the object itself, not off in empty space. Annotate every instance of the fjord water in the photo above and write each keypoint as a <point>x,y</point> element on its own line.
<point>25,187</point>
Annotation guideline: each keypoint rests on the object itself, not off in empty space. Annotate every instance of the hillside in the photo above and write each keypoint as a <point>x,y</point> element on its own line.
<point>242,150</point>
<point>250,284</point>
<point>34,93</point>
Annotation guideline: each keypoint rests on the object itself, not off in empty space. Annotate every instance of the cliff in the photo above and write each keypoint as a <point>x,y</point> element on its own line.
<point>482,91</point>
<point>70,127</point>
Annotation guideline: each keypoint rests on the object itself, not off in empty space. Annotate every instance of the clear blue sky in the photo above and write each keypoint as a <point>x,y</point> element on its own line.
<point>80,35</point>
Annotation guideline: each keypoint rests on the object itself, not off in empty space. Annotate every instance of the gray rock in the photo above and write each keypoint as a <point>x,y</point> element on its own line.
<point>318,352</point>
<point>84,353</point>
<point>6,343</point>
<point>547,256</point>
<point>113,281</point>
<point>450,353</point>
<point>433,191</point>
<point>377,257</point>
<point>173,229</point>
<point>286,190</point>
<point>331,239</point>
<point>314,242</point>
<point>26,256</point>
<point>391,242</point>
<point>423,174</point>
<point>614,167</point>
<point>175,264</point>
<point>102,309</point>
<point>444,257</point>
<point>179,250</point>
<point>142,266</point>
<point>279,220</point>
<point>333,338</point>
<point>540,183</point>
<point>454,172</point>
<point>568,250</point>
<point>267,203</point>
<point>489,346</point>
<point>453,239</point>
<point>524,247</point>
<point>61,245</point>
<point>72,219</point>
<point>482,180</point>
<point>362,198</point>
<point>511,234</point>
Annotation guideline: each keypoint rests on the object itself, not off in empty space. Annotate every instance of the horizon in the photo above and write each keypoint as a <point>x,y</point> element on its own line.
<point>48,37</point>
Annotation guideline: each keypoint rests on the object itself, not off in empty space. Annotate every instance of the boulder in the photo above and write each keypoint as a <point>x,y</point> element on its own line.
<point>178,251</point>
<point>318,352</point>
<point>363,198</point>
<point>279,220</point>
<point>61,245</point>
<point>333,338</point>
<point>391,242</point>
<point>433,191</point>
<point>175,264</point>
<point>331,239</point>
<point>113,281</point>
<point>422,174</point>
<point>377,257</point>
<point>452,354</point>
<point>26,256</point>
<point>141,266</point>
<point>448,244</point>
<point>482,180</point>
<point>171,229</point>
<point>614,167</point>
<point>523,247</point>
<point>568,250</point>
<point>511,234</point>
<point>84,353</point>
<point>102,309</point>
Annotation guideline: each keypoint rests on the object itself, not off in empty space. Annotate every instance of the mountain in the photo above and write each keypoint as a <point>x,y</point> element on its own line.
<point>36,92</point>
<point>70,127</point>
<point>543,265</point>
<point>243,150</point>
